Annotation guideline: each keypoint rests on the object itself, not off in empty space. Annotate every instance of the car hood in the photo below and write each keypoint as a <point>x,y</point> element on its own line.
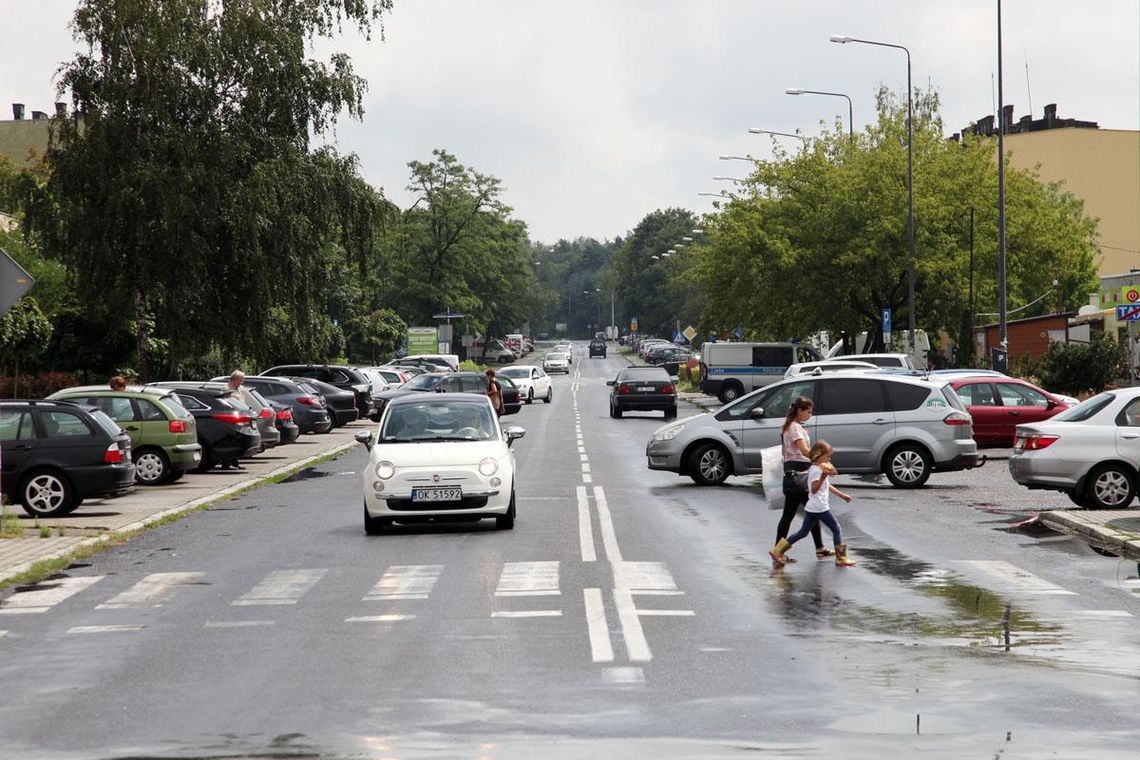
<point>438,454</point>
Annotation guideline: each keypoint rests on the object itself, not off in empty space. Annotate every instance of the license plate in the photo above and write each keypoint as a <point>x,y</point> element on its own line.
<point>645,389</point>
<point>197,456</point>
<point>434,493</point>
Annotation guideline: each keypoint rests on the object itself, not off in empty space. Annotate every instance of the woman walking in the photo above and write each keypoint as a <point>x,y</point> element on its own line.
<point>818,509</point>
<point>796,464</point>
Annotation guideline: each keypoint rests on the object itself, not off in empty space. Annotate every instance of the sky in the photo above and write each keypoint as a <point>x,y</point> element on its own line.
<point>597,112</point>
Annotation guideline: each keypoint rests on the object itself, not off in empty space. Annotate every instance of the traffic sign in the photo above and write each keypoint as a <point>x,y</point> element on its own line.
<point>14,282</point>
<point>633,324</point>
<point>689,333</point>
<point>1130,313</point>
<point>1129,294</point>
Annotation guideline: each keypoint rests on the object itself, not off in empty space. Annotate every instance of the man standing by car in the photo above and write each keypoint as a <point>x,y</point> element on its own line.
<point>237,377</point>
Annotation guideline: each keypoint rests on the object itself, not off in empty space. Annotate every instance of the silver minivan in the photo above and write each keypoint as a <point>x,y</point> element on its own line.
<point>903,426</point>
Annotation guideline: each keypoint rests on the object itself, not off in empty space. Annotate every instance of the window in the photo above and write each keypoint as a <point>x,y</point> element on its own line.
<point>806,354</point>
<point>852,397</point>
<point>904,396</point>
<point>474,384</point>
<point>117,408</point>
<point>16,426</point>
<point>61,424</point>
<point>638,374</point>
<point>1086,409</point>
<point>192,403</point>
<point>149,411</point>
<point>976,394</point>
<point>1130,415</point>
<point>174,406</point>
<point>771,356</point>
<point>1020,395</point>
<point>775,402</point>
<point>339,376</point>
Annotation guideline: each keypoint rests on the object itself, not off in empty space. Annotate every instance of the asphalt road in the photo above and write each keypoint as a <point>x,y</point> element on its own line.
<point>628,614</point>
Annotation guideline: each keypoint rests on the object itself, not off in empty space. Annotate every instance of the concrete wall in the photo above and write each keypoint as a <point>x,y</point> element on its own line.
<point>20,139</point>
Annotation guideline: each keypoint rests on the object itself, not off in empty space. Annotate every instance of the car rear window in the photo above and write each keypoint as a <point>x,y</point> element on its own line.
<point>952,398</point>
<point>905,397</point>
<point>423,382</point>
<point>106,423</point>
<point>646,373</point>
<point>1085,409</point>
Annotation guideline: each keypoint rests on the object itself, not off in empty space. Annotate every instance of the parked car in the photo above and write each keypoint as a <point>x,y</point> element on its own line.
<point>226,427</point>
<point>512,396</point>
<point>439,458</point>
<point>345,378</point>
<point>532,382</point>
<point>999,404</point>
<point>340,403</point>
<point>1090,452</point>
<point>424,362</point>
<point>443,361</point>
<point>881,360</point>
<point>556,361</point>
<point>164,436</point>
<point>394,376</point>
<point>903,426</point>
<point>661,355</point>
<point>643,389</point>
<point>309,411</point>
<point>283,417</point>
<point>264,417</point>
<point>57,453</point>
<point>829,365</point>
<point>598,348</point>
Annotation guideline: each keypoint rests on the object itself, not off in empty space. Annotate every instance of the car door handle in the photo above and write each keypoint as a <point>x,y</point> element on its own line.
<point>130,427</point>
<point>1014,414</point>
<point>1130,435</point>
<point>22,447</point>
<point>881,421</point>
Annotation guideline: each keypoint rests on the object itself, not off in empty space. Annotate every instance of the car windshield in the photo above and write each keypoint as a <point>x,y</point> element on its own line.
<point>556,357</point>
<point>1085,409</point>
<point>423,382</point>
<point>515,372</point>
<point>436,421</point>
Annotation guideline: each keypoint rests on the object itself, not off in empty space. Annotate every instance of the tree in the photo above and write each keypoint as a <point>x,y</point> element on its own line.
<point>24,332</point>
<point>380,332</point>
<point>654,290</point>
<point>187,196</point>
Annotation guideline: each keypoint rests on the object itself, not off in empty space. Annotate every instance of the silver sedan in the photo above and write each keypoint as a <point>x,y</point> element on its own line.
<point>1090,452</point>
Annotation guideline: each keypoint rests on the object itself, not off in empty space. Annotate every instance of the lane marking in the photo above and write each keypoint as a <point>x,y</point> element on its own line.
<point>585,466</point>
<point>606,522</point>
<point>151,591</point>
<point>105,628</point>
<point>43,599</point>
<point>3,634</point>
<point>405,582</point>
<point>623,675</point>
<point>1105,613</point>
<point>528,579</point>
<point>240,623</point>
<point>652,578</point>
<point>587,479</point>
<point>526,613</point>
<point>634,635</point>
<point>585,527</point>
<point>1015,578</point>
<point>601,650</point>
<point>379,619</point>
<point>281,587</point>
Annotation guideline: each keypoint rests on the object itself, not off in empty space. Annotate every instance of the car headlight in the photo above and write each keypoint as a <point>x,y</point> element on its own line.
<point>667,433</point>
<point>385,470</point>
<point>488,467</point>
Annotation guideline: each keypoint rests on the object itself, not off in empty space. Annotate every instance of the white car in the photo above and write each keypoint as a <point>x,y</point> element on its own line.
<point>818,368</point>
<point>439,458</point>
<point>556,362</point>
<point>565,348</point>
<point>532,382</point>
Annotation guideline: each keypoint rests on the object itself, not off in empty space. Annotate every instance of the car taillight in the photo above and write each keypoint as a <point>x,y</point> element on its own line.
<point>113,454</point>
<point>1035,441</point>
<point>234,418</point>
<point>309,400</point>
<point>285,414</point>
<point>265,414</point>
<point>623,388</point>
<point>178,426</point>
<point>668,389</point>
<point>957,418</point>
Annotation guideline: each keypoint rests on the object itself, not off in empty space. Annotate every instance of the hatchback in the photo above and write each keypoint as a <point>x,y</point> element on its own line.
<point>531,381</point>
<point>340,404</point>
<point>164,436</point>
<point>597,348</point>
<point>903,426</point>
<point>264,416</point>
<point>999,404</point>
<point>556,362</point>
<point>56,454</point>
<point>309,412</point>
<point>345,378</point>
<point>643,389</point>
<point>226,428</point>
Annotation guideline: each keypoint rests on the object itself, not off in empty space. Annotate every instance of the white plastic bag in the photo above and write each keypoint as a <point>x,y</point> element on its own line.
<point>772,461</point>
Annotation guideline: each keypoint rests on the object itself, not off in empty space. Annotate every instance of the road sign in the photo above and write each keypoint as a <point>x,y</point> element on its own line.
<point>423,340</point>
<point>1130,294</point>
<point>689,333</point>
<point>633,324</point>
<point>886,317</point>
<point>14,282</point>
<point>739,332</point>
<point>1130,313</point>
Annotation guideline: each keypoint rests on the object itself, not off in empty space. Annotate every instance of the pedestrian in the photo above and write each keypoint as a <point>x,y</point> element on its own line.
<point>237,377</point>
<point>494,392</point>
<point>796,464</point>
<point>818,507</point>
<point>118,383</point>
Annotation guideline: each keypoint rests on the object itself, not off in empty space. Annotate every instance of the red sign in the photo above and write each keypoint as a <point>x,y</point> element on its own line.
<point>1133,296</point>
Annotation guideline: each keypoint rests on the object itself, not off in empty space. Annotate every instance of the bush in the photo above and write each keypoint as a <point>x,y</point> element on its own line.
<point>1080,368</point>
<point>36,386</point>
<point>470,365</point>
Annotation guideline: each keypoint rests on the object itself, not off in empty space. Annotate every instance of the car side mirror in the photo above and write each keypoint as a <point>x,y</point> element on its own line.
<point>756,412</point>
<point>610,383</point>
<point>364,437</point>
<point>1052,404</point>
<point>513,433</point>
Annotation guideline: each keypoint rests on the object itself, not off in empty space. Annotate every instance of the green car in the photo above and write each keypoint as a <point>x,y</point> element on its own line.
<point>164,436</point>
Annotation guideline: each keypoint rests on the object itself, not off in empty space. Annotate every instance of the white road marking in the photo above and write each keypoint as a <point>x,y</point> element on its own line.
<point>105,628</point>
<point>585,466</point>
<point>3,634</point>
<point>581,449</point>
<point>650,578</point>
<point>528,579</point>
<point>1014,578</point>
<point>151,591</point>
<point>585,527</point>
<point>405,582</point>
<point>526,613</point>
<point>43,599</point>
<point>587,478</point>
<point>606,522</point>
<point>601,650</point>
<point>379,619</point>
<point>634,635</point>
<point>281,587</point>
<point>1105,613</point>
<point>623,675</point>
<point>240,623</point>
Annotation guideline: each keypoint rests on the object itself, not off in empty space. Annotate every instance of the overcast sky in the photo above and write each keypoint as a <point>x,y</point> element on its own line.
<point>596,112</point>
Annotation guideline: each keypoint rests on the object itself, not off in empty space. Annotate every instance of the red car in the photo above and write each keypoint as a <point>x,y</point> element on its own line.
<point>1000,404</point>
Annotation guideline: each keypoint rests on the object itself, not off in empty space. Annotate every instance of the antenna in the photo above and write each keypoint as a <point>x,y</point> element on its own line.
<point>993,95</point>
<point>1028,91</point>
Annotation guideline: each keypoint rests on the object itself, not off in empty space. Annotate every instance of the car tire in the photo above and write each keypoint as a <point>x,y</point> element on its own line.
<point>730,392</point>
<point>507,521</point>
<point>615,412</point>
<point>47,493</point>
<point>671,413</point>
<point>207,462</point>
<point>530,396</point>
<point>152,466</point>
<point>907,466</point>
<point>1110,486</point>
<point>709,465</point>
<point>549,395</point>
<point>374,526</point>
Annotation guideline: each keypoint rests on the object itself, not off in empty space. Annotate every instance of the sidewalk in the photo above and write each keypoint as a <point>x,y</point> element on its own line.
<point>1115,530</point>
<point>99,520</point>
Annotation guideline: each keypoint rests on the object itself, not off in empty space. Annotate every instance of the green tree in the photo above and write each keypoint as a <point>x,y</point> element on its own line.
<point>24,333</point>
<point>654,290</point>
<point>379,332</point>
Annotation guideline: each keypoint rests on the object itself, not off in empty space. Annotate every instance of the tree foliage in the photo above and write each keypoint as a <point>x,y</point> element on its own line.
<point>570,274</point>
<point>657,291</point>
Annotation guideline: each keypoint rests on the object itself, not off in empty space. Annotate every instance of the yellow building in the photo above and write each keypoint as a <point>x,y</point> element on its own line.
<point>24,140</point>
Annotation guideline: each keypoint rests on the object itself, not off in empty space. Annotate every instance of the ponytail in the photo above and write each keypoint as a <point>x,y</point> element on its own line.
<point>800,404</point>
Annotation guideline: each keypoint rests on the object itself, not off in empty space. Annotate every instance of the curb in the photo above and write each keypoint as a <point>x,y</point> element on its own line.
<point>1096,529</point>
<point>189,506</point>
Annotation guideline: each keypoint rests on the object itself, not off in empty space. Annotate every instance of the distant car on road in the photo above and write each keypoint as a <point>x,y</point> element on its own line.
<point>598,348</point>
<point>532,382</point>
<point>643,389</point>
<point>556,361</point>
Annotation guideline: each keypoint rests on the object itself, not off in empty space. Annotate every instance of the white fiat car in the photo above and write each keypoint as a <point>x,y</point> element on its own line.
<point>439,458</point>
<point>532,382</point>
<point>556,362</point>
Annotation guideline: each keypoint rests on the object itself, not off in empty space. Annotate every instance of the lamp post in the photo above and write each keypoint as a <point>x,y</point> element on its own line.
<point>728,157</point>
<point>721,178</point>
<point>850,108</point>
<point>758,131</point>
<point>843,40</point>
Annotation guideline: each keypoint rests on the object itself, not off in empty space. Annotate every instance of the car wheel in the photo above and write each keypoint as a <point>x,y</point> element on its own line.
<point>907,466</point>
<point>507,521</point>
<point>671,413</point>
<point>615,412</point>
<point>176,475</point>
<point>152,467</point>
<point>530,396</point>
<point>47,493</point>
<point>374,526</point>
<point>1110,486</point>
<point>549,395</point>
<point>709,465</point>
<point>730,392</point>
<point>207,462</point>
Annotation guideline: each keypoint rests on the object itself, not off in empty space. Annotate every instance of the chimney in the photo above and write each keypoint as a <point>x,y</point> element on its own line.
<point>985,126</point>
<point>1007,117</point>
<point>37,115</point>
<point>1050,114</point>
<point>18,111</point>
<point>61,109</point>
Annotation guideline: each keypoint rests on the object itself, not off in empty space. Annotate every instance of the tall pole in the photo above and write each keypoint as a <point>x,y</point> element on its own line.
<point>1002,337</point>
<point>612,323</point>
<point>910,204</point>
<point>850,107</point>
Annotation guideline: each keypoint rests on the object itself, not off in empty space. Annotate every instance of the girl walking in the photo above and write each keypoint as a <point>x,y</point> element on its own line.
<point>818,509</point>
<point>796,443</point>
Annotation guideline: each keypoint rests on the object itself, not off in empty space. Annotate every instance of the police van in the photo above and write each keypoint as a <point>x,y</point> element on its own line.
<point>729,370</point>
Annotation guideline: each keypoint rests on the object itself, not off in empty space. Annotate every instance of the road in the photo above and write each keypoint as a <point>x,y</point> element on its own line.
<point>629,614</point>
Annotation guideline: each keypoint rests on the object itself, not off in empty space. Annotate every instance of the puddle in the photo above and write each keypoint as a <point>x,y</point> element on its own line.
<point>309,473</point>
<point>896,723</point>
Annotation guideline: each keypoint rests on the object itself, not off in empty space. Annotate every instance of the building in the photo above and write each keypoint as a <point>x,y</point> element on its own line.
<point>22,139</point>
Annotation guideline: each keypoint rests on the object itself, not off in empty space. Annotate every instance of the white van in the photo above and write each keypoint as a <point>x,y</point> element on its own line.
<point>451,359</point>
<point>729,370</point>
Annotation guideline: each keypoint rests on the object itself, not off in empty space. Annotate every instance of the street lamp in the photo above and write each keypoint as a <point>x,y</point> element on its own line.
<point>721,194</point>
<point>843,40</point>
<point>728,157</point>
<point>850,108</point>
<point>758,131</point>
<point>721,178</point>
